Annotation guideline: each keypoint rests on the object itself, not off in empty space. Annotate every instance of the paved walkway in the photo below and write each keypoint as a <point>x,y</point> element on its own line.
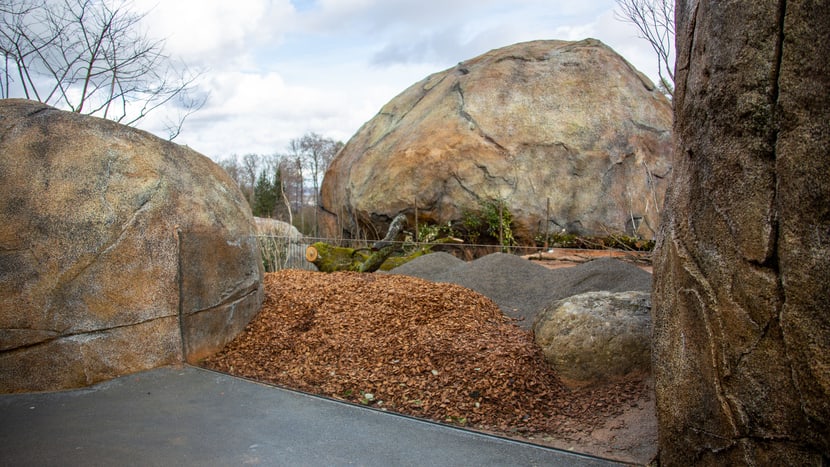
<point>191,416</point>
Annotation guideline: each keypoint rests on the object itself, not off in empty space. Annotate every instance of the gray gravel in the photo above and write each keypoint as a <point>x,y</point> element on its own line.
<point>427,266</point>
<point>522,288</point>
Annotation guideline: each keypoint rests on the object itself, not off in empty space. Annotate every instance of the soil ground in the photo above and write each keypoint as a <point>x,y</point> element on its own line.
<point>557,258</point>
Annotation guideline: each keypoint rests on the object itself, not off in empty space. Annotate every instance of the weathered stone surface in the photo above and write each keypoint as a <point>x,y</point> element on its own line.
<point>118,251</point>
<point>741,296</point>
<point>596,336</point>
<point>278,228</point>
<point>567,121</point>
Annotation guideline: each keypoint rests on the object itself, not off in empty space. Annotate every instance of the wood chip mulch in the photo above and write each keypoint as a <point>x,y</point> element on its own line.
<point>431,350</point>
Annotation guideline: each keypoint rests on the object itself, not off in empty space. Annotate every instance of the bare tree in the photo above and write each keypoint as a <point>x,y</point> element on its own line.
<point>317,154</point>
<point>296,165</point>
<point>280,167</point>
<point>231,166</point>
<point>91,57</point>
<point>283,193</point>
<point>249,171</point>
<point>655,21</point>
<point>292,181</point>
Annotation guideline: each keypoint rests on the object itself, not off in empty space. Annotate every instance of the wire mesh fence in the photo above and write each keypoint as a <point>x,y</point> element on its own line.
<point>284,252</point>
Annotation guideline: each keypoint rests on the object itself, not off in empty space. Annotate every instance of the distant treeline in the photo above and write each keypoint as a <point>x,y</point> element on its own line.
<point>285,186</point>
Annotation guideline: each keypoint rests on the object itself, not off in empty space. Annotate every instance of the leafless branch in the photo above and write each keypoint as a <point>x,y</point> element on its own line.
<point>654,20</point>
<point>90,56</point>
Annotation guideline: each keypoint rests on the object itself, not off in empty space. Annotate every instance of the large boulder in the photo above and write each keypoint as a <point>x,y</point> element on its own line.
<point>281,245</point>
<point>119,251</point>
<point>571,123</point>
<point>276,228</point>
<point>596,337</point>
<point>741,295</point>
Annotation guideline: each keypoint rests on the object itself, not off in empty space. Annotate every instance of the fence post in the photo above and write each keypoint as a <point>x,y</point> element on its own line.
<point>416,221</point>
<point>547,223</point>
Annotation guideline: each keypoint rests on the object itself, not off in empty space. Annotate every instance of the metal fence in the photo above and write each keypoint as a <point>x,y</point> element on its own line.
<point>284,252</point>
<point>281,252</point>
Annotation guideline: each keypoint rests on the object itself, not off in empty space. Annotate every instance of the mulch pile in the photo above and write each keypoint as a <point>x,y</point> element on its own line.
<point>400,343</point>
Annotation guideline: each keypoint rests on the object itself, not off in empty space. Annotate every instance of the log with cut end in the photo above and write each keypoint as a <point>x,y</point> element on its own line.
<point>330,258</point>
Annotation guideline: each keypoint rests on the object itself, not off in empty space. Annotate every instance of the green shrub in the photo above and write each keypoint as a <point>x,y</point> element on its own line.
<point>432,232</point>
<point>487,221</point>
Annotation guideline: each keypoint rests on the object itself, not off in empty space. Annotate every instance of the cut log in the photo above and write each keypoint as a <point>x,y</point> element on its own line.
<point>330,258</point>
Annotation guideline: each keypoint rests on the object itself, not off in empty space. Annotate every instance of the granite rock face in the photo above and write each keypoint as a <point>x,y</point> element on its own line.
<point>572,123</point>
<point>596,337</point>
<point>276,228</point>
<point>741,297</point>
<point>119,251</point>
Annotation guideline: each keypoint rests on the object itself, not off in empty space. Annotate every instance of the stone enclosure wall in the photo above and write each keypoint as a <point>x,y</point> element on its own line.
<point>741,297</point>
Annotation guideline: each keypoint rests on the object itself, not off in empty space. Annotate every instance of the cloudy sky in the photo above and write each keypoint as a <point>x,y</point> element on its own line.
<point>277,69</point>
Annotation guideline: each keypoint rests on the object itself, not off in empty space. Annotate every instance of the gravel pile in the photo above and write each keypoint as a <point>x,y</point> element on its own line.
<point>522,288</point>
<point>428,266</point>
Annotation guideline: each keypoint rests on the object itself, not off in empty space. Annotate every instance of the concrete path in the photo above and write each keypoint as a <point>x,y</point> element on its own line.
<point>191,416</point>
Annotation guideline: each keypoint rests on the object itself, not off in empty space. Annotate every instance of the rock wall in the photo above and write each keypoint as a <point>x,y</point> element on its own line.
<point>119,251</point>
<point>741,297</point>
<point>568,122</point>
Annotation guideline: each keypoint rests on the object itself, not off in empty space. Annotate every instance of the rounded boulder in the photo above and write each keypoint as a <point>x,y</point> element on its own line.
<point>596,336</point>
<point>119,251</point>
<point>567,136</point>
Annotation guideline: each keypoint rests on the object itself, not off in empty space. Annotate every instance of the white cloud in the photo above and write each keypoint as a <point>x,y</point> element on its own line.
<point>218,33</point>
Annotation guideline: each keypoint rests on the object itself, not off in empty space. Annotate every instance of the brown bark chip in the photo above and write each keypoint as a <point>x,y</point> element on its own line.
<point>432,350</point>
